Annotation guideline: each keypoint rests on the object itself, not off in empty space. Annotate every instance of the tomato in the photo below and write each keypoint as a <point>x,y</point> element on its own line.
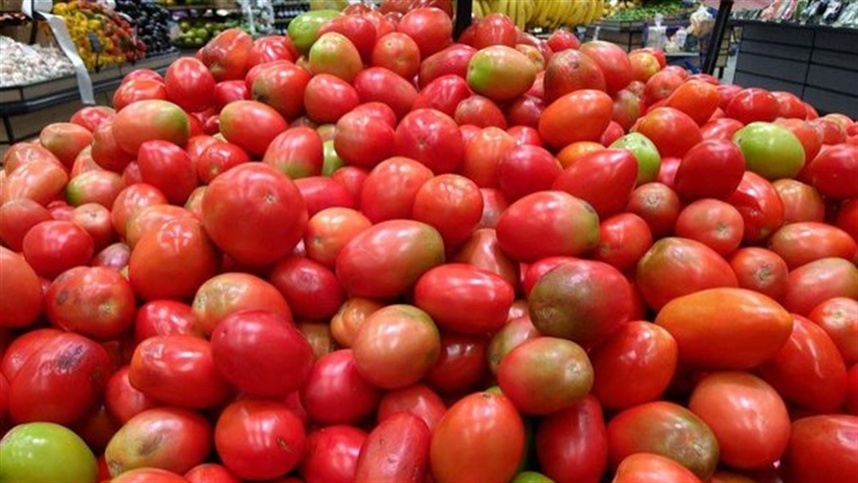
<point>804,242</point>
<point>431,29</point>
<point>114,256</point>
<point>443,94</point>
<point>720,129</point>
<point>623,240</point>
<point>838,317</point>
<point>206,472</point>
<point>834,171</point>
<point>51,247</point>
<point>143,475</point>
<point>516,332</point>
<point>480,438</point>
<point>170,439</point>
<point>168,168</point>
<point>395,450</point>
<point>661,85</point>
<point>672,131</point>
<point>178,370</point>
<point>809,135</point>
<point>329,230</point>
<point>359,30</point>
<point>122,400</point>
<point>397,52</point>
<point>613,61</point>
<point>332,454</point>
<point>91,117</point>
<point>336,393</point>
<point>483,251</point>
<point>815,282</point>
<point>95,186</point>
<point>761,270</point>
<point>235,116</point>
<point>571,444</point>
<point>822,448</point>
<point>627,109</point>
<point>21,299</point>
<point>65,140</point>
<point>847,218</point>
<point>377,84</point>
<point>698,99</point>
<point>310,288</point>
<point>228,293</point>
<point>92,301</point>
<point>149,120</point>
<point>479,111</point>
<point>152,218</point>
<point>752,105</point>
<point>226,55</point>
<point>134,90</point>
<point>494,29</point>
<point>761,207</point>
<point>754,326</point>
<point>18,216</point>
<point>41,181</point>
<point>852,391</point>
<point>715,223</point>
<point>327,98</point>
<point>802,202</point>
<point>60,378</point>
<point>483,155</point>
<point>391,187</point>
<point>450,203</point>
<point>418,399</point>
<point>362,266</point>
<point>605,179</point>
<point>652,467</point>
<point>190,84</point>
<point>452,60</point>
<point>547,223</point>
<point>259,440</point>
<point>710,169</point>
<point>461,364</point>
<point>770,150</point>
<point>362,140</point>
<point>663,428</point>
<point>581,115</point>
<point>217,158</point>
<point>570,70</point>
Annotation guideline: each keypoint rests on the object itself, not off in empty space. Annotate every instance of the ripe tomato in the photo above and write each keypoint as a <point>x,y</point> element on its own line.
<point>281,86</point>
<point>432,138</point>
<point>259,440</point>
<point>310,288</point>
<point>362,140</point>
<point>52,247</point>
<point>418,399</point>
<point>41,181</point>
<point>93,301</point>
<point>18,216</point>
<point>483,155</point>
<point>335,392</point>
<point>761,270</point>
<point>452,204</point>
<point>822,448</point>
<point>479,111</point>
<point>207,472</point>
<point>217,158</point>
<point>605,179</point>
<point>623,240</point>
<point>122,400</point>
<point>144,475</point>
<point>358,29</point>
<point>114,256</point>
<point>639,467</point>
<point>571,444</point>
<point>397,449</point>
<point>377,84</point>
<point>236,116</point>
<point>327,98</point>
<point>431,28</point>
<point>613,61</point>
<point>581,115</point>
<point>802,202</point>
<point>753,104</point>
<point>834,171</point>
<point>452,60</point>
<point>391,187</point>
<point>461,364</point>
<point>663,428</point>
<point>696,98</point>
<point>811,284</point>
<point>720,129</point>
<point>168,168</point>
<point>150,120</point>
<point>838,317</point>
<point>658,205</point>
<point>516,332</point>
<point>673,131</point>
<point>710,169</point>
<point>329,230</point>
<point>480,438</point>
<point>91,117</point>
<point>754,326</point>
<point>804,242</point>
<point>190,84</point>
<point>761,207</point>
<point>227,293</point>
<point>715,223</point>
<point>331,454</point>
<point>21,299</point>
<point>443,94</point>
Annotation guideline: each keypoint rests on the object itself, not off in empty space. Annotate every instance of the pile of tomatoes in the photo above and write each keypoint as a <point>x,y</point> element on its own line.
<point>363,252</point>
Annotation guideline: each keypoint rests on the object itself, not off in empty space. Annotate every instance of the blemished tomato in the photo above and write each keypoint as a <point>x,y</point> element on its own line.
<point>715,223</point>
<point>761,207</point>
<point>811,284</point>
<point>92,301</point>
<point>673,131</point>
<point>638,467</point>
<point>268,123</point>
<point>752,325</point>
<point>461,364</point>
<point>605,179</point>
<point>171,439</point>
<point>52,247</point>
<point>808,370</point>
<point>658,205</point>
<point>822,448</point>
<point>623,240</point>
<point>178,370</point>
<point>21,300</point>
<point>464,299</point>
<point>396,346</point>
<point>331,454</point>
<point>480,438</point>
<point>571,444</point>
<point>582,115</point>
<point>336,393</point>
<point>634,365</point>
<point>418,399</point>
<point>122,400</point>
<point>710,169</point>
<point>545,374</point>
<point>663,428</point>
<point>564,302</point>
<point>227,293</point>
<point>747,415</point>
<point>259,440</point>
<point>391,187</point>
<point>397,449</point>
<point>838,317</point>
<point>261,353</point>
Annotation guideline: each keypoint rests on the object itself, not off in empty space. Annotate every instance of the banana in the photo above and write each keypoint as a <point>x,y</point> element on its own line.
<point>541,14</point>
<point>594,8</point>
<point>477,9</point>
<point>529,10</point>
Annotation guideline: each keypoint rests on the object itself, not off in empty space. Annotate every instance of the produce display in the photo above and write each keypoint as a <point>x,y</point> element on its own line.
<point>23,64</point>
<point>195,32</point>
<point>836,13</point>
<point>367,251</point>
<point>544,14</point>
<point>152,24</point>
<point>102,37</point>
<point>644,10</point>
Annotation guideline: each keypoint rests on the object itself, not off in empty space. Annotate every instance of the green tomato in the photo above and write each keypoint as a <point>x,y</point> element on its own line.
<point>531,477</point>
<point>331,161</point>
<point>304,29</point>
<point>649,160</point>
<point>770,150</point>
<point>45,452</point>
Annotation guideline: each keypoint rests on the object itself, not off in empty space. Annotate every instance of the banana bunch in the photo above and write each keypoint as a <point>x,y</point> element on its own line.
<point>545,14</point>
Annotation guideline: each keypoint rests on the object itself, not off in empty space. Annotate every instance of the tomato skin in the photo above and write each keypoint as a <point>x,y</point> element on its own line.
<point>418,399</point>
<point>391,187</point>
<point>480,438</point>
<point>638,347</point>
<point>331,454</point>
<point>676,266</point>
<point>329,230</point>
<point>362,140</point>
<point>190,84</point>
<point>144,475</point>
<point>715,223</point>
<point>432,138</point>
<point>460,365</point>
<point>581,115</point>
<point>838,317</point>
<point>813,283</point>
<point>251,232</point>
<point>362,266</point>
<point>673,132</point>
<point>571,444</point>
<point>227,54</point>
<point>377,84</point>
<point>452,204</point>
<point>623,240</point>
<point>516,332</point>
<point>696,176</point>
<point>167,438</point>
<point>852,391</point>
<point>804,242</point>
<point>443,94</point>
<point>310,289</point>
<point>92,301</point>
<point>754,326</point>
<point>168,168</point>
<point>95,220</point>
<point>802,202</point>
<point>753,104</point>
<point>720,129</point>
<point>151,119</point>
<point>761,270</point>
<point>235,116</point>
<point>122,400</point>
<point>207,472</point>
<point>396,450</point>
<point>822,448</point>
<point>259,440</point>
<point>696,98</point>
<point>834,171</point>
<point>761,207</point>
<point>132,200</point>
<point>639,467</point>
<point>178,370</point>
<point>61,380</point>
<point>230,292</point>
<point>663,428</point>
<point>16,219</point>
<point>605,179</point>
<point>336,393</point>
<point>52,247</point>
<point>21,300</point>
<point>452,60</point>
<point>808,370</point>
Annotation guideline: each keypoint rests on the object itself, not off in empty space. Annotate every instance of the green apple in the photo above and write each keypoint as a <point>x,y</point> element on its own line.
<point>45,452</point>
<point>772,151</point>
<point>649,160</point>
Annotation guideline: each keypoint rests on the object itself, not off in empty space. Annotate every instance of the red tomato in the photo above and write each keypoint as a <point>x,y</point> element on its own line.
<point>753,104</point>
<point>282,86</point>
<point>452,60</point>
<point>639,467</point>
<point>91,117</point>
<point>331,454</point>
<point>431,29</point>
<point>823,448</point>
<point>847,218</point>
<point>94,186</point>
<point>802,202</point>
<point>463,298</point>
<point>752,325</point>
<point>134,90</point>
<point>92,301</point>
<point>720,129</point>
<point>329,230</point>
<point>461,364</point>
<point>259,440</point>
<point>613,61</point>
<point>672,131</point>
<point>637,347</point>
<point>362,140</point>
<point>835,170</point>
<point>122,400</point>
<point>817,281</point>
<point>450,203</point>
<point>715,223</point>
<point>229,91</point>
<point>336,393</point>
<point>809,136</point>
<point>808,370</point>
<point>432,138</point>
<point>207,472</point>
<point>710,169</point>
<point>18,216</point>
<point>838,317</point>
<point>443,94</point>
<point>190,84</point>
<point>418,399</point>
<point>623,240</point>
<point>804,242</point>
<point>761,270</point>
<point>114,256</point>
<point>227,54</point>
<point>21,299</point>
<point>658,205</point>
<point>479,111</point>
<point>236,116</point>
<point>327,98</point>
<point>358,29</point>
<point>663,428</point>
<point>41,181</point>
<point>483,155</point>
<point>605,179</point>
<point>168,168</point>
<point>661,85</point>
<point>581,115</point>
<point>494,29</point>
<point>152,218</point>
<point>310,288</point>
<point>397,52</point>
<point>696,98</point>
<point>483,251</point>
<point>391,188</point>
<point>516,332</point>
<point>149,120</point>
<point>65,140</point>
<point>52,247</point>
<point>228,293</point>
<point>852,391</point>
<point>170,439</point>
<point>377,84</point>
<point>761,207</point>
<point>145,475</point>
<point>480,438</point>
<point>571,444</point>
<point>217,158</point>
<point>395,450</point>
<point>525,113</point>
<point>396,346</point>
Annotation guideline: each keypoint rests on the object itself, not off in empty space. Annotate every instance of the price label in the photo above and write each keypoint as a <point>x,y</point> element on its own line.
<point>95,43</point>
